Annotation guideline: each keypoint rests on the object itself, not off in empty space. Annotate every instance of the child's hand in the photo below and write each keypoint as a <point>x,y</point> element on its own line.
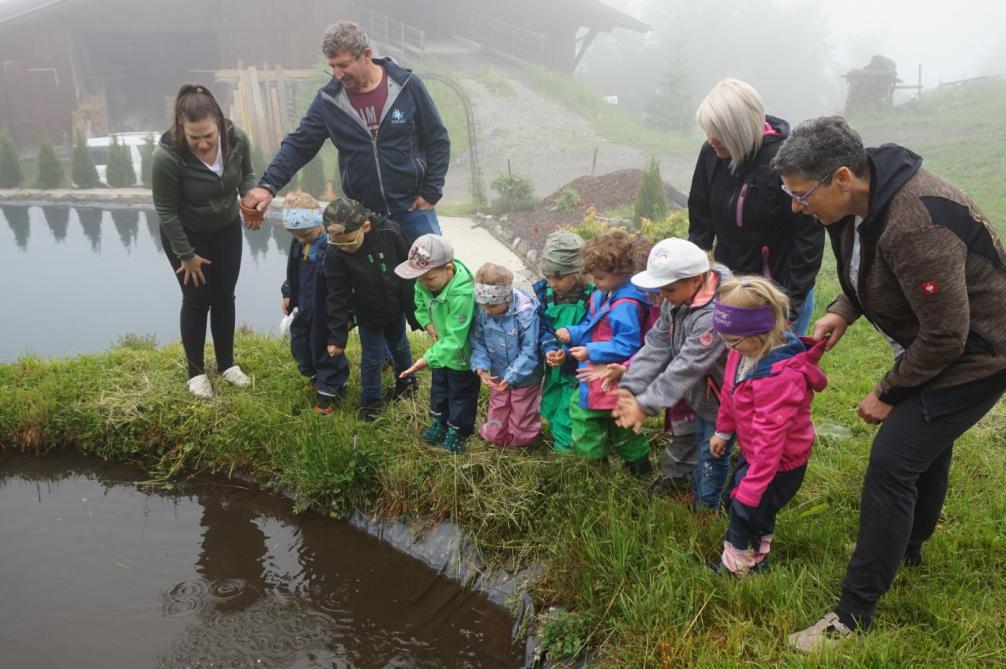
<point>562,334</point>
<point>416,366</point>
<point>286,306</point>
<point>717,446</point>
<point>488,380</point>
<point>612,374</point>
<point>432,331</point>
<point>334,351</point>
<point>591,373</point>
<point>579,352</point>
<point>555,358</point>
<point>502,386</point>
<point>627,413</point>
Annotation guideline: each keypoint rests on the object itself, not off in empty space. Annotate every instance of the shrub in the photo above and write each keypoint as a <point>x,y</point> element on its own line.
<point>120,172</point>
<point>565,634</point>
<point>147,161</point>
<point>83,173</point>
<point>50,170</point>
<point>674,224</point>
<point>312,177</point>
<point>516,193</point>
<point>11,175</point>
<point>651,202</point>
<point>567,200</point>
<point>591,226</point>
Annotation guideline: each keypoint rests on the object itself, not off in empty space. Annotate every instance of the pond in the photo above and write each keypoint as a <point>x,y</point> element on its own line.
<point>101,570</point>
<point>76,279</point>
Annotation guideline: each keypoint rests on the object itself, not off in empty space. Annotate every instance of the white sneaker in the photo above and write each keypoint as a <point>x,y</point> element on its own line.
<point>200,386</point>
<point>235,377</point>
<point>825,633</point>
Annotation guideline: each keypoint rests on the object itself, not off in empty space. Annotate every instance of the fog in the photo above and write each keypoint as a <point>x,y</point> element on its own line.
<point>795,51</point>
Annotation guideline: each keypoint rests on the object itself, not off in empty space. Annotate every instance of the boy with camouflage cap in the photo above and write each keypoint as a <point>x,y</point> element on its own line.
<point>445,306</point>
<point>564,297</point>
<point>363,251</point>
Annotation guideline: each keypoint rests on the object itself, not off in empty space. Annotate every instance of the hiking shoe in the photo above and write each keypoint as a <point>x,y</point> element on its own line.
<point>913,556</point>
<point>825,633</point>
<point>454,441</point>
<point>404,388</point>
<point>370,411</point>
<point>235,377</point>
<point>669,486</point>
<point>326,405</point>
<point>640,468</point>
<point>199,386</point>
<point>435,433</point>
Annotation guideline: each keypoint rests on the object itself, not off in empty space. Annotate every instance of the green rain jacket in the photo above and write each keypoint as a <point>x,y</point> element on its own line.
<point>451,312</point>
<point>190,196</point>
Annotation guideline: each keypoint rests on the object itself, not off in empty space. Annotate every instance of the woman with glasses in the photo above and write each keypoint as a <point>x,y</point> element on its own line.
<point>736,207</point>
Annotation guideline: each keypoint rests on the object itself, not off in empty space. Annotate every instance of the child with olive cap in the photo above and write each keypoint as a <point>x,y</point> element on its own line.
<point>682,358</point>
<point>305,289</point>
<point>364,250</point>
<point>564,299</point>
<point>445,307</point>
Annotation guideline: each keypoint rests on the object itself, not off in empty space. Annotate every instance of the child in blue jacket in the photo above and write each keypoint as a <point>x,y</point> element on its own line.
<point>504,341</point>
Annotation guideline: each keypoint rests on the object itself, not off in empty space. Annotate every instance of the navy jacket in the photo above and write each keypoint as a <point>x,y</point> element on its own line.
<point>408,158</point>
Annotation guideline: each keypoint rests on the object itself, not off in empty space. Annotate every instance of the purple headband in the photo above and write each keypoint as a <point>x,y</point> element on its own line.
<point>743,321</point>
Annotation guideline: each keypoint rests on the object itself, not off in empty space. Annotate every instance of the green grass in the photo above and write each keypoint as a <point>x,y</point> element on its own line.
<point>631,567</point>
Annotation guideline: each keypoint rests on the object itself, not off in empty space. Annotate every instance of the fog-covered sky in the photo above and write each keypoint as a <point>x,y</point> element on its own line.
<point>952,40</point>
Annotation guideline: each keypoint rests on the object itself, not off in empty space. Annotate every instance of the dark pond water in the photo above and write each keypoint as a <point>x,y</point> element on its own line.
<point>100,572</point>
<point>74,280</point>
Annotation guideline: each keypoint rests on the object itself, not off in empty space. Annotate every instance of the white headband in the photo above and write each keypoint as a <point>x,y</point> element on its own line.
<point>489,295</point>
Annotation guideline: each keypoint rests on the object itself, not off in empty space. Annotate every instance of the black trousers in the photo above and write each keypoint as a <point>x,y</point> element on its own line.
<point>214,298</point>
<point>454,398</point>
<point>905,485</point>
<point>749,524</point>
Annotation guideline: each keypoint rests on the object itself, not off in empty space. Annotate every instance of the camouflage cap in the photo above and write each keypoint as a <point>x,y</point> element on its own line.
<point>561,254</point>
<point>350,214</point>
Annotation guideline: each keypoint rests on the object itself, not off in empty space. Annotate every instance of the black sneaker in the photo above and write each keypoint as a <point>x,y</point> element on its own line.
<point>669,486</point>
<point>913,556</point>
<point>640,468</point>
<point>403,388</point>
<point>369,412</point>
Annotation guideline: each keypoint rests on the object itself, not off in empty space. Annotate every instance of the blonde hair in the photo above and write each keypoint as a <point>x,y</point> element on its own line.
<point>734,114</point>
<point>755,291</point>
<point>491,274</point>
<point>300,200</point>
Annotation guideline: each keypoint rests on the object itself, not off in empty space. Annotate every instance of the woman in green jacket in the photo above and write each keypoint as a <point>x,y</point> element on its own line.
<point>200,167</point>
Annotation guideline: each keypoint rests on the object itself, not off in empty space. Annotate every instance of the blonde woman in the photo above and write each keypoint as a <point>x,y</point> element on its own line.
<point>736,205</point>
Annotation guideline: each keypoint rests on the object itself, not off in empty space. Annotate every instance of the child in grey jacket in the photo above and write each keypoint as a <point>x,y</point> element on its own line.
<point>682,359</point>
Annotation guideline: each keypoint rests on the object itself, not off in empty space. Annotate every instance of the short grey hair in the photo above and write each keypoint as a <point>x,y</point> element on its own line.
<point>733,113</point>
<point>818,147</point>
<point>344,36</point>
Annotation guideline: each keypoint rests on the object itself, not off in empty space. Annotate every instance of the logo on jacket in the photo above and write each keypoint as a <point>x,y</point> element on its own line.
<point>930,288</point>
<point>397,116</point>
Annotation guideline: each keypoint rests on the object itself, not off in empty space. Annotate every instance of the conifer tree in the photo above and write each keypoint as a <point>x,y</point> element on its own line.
<point>83,173</point>
<point>11,175</point>
<point>651,202</point>
<point>50,169</point>
<point>147,161</point>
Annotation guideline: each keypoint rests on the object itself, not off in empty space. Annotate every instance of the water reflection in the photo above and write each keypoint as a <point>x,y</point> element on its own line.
<point>90,221</point>
<point>212,576</point>
<point>58,219</point>
<point>19,223</point>
<point>127,224</point>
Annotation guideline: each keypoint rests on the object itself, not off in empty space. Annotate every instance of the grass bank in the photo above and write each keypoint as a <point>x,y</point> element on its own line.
<point>631,568</point>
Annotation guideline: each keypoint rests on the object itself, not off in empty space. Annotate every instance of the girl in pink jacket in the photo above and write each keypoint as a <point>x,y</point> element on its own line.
<point>769,384</point>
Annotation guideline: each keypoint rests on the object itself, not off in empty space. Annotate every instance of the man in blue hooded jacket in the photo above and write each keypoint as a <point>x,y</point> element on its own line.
<point>393,146</point>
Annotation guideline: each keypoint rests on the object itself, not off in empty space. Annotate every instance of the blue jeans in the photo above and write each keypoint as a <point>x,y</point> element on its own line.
<point>710,476</point>
<point>417,223</point>
<point>802,321</point>
<point>375,343</point>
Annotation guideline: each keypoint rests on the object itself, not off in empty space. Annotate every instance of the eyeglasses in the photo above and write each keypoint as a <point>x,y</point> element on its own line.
<point>356,240</point>
<point>731,342</point>
<point>802,199</point>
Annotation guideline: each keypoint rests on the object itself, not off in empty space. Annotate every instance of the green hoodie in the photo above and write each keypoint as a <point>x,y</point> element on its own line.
<point>190,196</point>
<point>451,311</point>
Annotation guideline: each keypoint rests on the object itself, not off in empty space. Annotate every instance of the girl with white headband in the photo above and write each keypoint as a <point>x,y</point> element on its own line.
<point>504,341</point>
<point>768,387</point>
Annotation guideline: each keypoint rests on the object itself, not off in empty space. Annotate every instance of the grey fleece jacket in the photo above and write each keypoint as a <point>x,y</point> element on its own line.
<point>681,355</point>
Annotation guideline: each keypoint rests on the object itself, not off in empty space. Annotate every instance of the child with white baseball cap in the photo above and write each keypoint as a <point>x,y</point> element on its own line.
<point>681,361</point>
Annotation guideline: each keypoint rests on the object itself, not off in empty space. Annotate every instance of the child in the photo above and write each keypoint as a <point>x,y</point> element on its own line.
<point>504,341</point>
<point>363,251</point>
<point>770,380</point>
<point>305,289</point>
<point>683,359</point>
<point>612,333</point>
<point>563,296</point>
<point>445,307</point>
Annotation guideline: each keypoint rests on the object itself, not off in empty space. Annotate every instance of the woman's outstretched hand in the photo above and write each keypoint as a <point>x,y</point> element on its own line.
<point>193,270</point>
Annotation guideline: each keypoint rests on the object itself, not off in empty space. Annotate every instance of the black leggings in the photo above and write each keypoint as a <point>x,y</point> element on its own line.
<point>215,297</point>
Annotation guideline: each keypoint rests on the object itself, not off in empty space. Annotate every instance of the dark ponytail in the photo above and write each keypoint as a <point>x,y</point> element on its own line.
<point>194,102</point>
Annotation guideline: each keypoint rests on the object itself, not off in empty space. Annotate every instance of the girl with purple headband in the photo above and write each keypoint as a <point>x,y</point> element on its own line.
<point>768,387</point>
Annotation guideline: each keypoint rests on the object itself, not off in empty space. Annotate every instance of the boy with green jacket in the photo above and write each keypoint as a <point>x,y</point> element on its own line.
<point>445,307</point>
